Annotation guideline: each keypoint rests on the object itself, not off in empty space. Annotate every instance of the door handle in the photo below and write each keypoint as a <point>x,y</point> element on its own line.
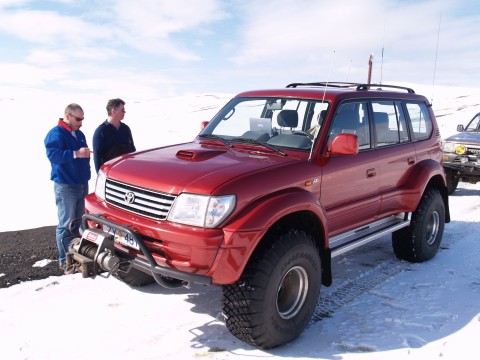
<point>371,173</point>
<point>411,160</point>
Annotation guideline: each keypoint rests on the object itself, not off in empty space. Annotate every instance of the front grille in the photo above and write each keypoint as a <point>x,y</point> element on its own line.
<point>473,151</point>
<point>152,204</point>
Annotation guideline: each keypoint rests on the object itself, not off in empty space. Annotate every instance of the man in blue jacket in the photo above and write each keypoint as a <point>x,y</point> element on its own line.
<point>69,156</point>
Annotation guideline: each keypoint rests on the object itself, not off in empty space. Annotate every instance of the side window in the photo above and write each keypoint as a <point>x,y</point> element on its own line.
<point>420,120</point>
<point>352,118</point>
<point>390,125</point>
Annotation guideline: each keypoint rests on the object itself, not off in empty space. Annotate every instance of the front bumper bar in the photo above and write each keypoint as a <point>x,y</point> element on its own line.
<point>149,265</point>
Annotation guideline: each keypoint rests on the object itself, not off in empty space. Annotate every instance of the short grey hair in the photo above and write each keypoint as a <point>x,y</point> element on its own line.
<point>72,107</point>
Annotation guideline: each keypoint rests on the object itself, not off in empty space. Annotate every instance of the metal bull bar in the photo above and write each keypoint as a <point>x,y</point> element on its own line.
<point>106,258</point>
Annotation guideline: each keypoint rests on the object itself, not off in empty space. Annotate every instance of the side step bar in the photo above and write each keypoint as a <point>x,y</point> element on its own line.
<point>342,243</point>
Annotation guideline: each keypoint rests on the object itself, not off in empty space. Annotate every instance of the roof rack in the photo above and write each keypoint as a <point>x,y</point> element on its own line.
<point>324,84</point>
<point>348,85</point>
<point>380,86</point>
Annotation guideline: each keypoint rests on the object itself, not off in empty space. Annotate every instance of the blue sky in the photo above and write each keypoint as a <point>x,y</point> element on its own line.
<point>153,48</point>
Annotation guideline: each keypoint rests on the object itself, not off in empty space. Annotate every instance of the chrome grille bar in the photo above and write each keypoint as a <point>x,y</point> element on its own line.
<point>149,203</point>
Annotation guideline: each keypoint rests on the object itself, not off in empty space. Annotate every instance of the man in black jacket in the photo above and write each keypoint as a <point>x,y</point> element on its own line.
<point>112,138</point>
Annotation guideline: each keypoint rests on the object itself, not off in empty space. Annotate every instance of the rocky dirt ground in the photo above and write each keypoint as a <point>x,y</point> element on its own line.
<point>20,250</point>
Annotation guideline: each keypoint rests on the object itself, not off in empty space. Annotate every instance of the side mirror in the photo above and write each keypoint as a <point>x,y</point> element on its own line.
<point>203,125</point>
<point>460,128</point>
<point>344,144</point>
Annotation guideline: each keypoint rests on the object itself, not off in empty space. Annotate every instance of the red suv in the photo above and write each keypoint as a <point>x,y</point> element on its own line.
<point>278,183</point>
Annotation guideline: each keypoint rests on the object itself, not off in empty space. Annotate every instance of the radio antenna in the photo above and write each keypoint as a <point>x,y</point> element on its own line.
<point>328,77</point>
<point>323,100</point>
<point>383,47</point>
<point>349,66</point>
<point>436,57</point>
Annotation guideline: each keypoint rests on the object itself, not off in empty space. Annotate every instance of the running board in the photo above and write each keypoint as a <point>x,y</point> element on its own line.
<point>342,243</point>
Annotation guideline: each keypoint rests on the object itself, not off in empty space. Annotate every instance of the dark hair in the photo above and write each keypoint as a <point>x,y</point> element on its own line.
<point>113,104</point>
<point>72,107</point>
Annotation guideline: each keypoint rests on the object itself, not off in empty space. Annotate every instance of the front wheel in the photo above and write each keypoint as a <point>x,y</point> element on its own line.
<point>276,295</point>
<point>420,241</point>
<point>452,180</point>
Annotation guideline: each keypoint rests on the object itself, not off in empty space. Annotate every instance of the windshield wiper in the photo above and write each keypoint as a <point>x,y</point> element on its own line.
<point>256,142</point>
<point>216,137</point>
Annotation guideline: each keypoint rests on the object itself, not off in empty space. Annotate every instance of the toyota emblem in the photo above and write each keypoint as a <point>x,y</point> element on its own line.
<point>129,197</point>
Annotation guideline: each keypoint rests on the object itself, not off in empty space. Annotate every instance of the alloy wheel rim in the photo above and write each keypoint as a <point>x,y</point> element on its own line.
<point>292,292</point>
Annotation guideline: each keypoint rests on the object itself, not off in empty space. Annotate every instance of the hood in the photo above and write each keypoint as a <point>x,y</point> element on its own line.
<point>466,137</point>
<point>191,167</point>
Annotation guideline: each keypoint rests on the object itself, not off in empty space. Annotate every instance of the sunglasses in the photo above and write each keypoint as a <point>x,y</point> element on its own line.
<point>76,117</point>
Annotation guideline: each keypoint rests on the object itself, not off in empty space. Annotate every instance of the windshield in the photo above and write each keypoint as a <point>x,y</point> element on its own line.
<point>281,122</point>
<point>474,124</point>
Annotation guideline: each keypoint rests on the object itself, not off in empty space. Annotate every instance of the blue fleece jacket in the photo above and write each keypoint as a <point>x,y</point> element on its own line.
<point>61,146</point>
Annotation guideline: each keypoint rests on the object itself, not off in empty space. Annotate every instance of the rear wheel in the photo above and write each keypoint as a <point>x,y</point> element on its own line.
<point>274,299</point>
<point>420,241</point>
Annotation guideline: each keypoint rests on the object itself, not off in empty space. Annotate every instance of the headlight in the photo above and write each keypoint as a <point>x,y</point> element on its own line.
<point>100,185</point>
<point>201,210</point>
<point>460,149</point>
<point>448,147</point>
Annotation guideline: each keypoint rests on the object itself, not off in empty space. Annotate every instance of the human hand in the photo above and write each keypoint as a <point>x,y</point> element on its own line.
<point>83,153</point>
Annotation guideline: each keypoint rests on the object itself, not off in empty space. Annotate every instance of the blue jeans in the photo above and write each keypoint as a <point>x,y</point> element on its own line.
<point>70,200</point>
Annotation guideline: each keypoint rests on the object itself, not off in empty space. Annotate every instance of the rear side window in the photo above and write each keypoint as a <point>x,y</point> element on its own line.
<point>390,125</point>
<point>420,120</point>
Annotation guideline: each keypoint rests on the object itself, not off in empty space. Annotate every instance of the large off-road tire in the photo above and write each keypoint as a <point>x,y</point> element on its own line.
<point>275,297</point>
<point>135,277</point>
<point>452,180</point>
<point>420,241</point>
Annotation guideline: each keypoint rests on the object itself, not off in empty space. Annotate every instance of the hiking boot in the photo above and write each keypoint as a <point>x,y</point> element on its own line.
<point>70,269</point>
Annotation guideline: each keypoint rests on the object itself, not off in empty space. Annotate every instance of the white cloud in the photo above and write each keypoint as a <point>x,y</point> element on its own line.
<point>24,74</point>
<point>313,37</point>
<point>5,3</point>
<point>159,19</point>
<point>234,45</point>
<point>45,56</point>
<point>147,25</point>
<point>151,25</point>
<point>51,28</point>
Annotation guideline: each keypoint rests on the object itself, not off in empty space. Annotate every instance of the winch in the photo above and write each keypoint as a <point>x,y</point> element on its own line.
<point>93,254</point>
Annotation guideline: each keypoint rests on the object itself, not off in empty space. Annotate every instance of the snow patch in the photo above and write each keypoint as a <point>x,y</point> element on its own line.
<point>43,263</point>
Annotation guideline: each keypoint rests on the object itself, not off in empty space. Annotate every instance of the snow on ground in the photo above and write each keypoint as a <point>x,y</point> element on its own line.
<point>377,308</point>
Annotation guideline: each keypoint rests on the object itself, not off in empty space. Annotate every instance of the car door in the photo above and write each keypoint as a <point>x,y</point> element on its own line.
<point>349,187</point>
<point>395,152</point>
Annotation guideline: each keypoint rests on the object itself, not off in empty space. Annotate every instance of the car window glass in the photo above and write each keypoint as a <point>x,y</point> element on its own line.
<point>283,122</point>
<point>474,124</point>
<point>352,118</point>
<point>390,125</point>
<point>420,120</point>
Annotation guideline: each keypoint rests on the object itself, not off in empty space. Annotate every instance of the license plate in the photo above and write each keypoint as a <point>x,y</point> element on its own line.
<point>122,237</point>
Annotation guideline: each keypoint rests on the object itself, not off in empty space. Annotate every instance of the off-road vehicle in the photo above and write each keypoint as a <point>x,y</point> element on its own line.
<point>461,155</point>
<point>277,183</point>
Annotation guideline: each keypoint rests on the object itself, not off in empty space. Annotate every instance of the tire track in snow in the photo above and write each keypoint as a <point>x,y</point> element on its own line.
<point>354,288</point>
<point>367,281</point>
